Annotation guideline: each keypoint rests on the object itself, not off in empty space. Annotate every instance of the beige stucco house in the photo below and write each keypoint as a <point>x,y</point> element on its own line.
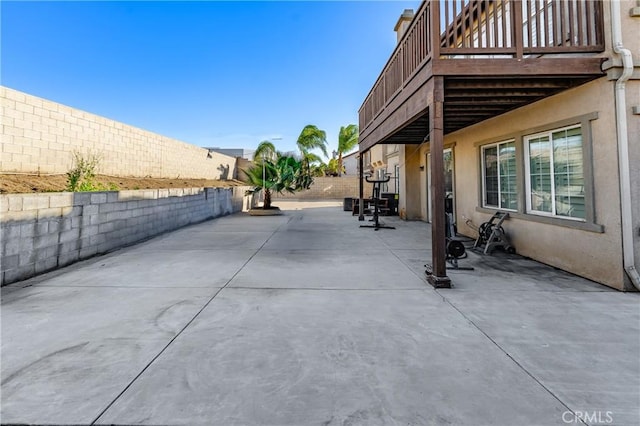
<point>527,107</point>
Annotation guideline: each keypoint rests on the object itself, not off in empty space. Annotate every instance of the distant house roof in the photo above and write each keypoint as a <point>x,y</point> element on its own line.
<point>234,152</point>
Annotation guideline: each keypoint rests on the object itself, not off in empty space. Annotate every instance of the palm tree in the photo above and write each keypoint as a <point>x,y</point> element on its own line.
<point>282,175</point>
<point>310,138</point>
<point>312,164</point>
<point>331,168</point>
<point>261,176</point>
<point>311,159</point>
<point>347,140</point>
<point>265,150</point>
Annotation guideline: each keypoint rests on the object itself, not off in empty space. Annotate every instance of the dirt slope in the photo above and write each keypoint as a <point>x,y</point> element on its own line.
<point>23,183</point>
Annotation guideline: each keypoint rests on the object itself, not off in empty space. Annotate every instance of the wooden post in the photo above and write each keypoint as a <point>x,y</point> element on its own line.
<point>438,277</point>
<point>435,29</point>
<point>361,189</point>
<point>518,28</point>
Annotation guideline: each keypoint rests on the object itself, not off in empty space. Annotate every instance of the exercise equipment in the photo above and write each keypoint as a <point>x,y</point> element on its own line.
<point>492,235</point>
<point>376,199</point>
<point>455,247</point>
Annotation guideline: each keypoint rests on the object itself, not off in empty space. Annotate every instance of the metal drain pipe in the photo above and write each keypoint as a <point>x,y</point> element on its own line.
<point>623,145</point>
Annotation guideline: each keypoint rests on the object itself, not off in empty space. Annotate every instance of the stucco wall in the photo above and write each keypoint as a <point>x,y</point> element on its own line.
<point>350,163</point>
<point>40,136</point>
<point>633,100</point>
<point>630,26</point>
<point>631,41</point>
<point>42,232</point>
<point>594,255</point>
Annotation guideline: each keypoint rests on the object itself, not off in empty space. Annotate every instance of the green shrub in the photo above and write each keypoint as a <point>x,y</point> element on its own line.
<point>82,176</point>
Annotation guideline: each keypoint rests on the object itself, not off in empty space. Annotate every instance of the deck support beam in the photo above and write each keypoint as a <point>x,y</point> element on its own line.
<point>361,187</point>
<point>438,277</point>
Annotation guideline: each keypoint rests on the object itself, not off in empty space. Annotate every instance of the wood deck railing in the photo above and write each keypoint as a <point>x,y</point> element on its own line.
<point>517,28</point>
<point>410,54</point>
<point>485,29</point>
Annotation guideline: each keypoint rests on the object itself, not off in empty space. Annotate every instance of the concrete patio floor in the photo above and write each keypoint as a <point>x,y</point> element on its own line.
<point>307,319</point>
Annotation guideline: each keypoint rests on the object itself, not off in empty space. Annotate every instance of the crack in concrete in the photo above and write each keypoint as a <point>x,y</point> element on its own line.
<point>146,367</point>
<point>497,345</point>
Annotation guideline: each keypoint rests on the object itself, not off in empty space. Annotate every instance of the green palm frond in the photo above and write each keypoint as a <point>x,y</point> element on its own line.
<point>286,174</point>
<point>311,138</point>
<point>347,138</point>
<point>312,158</point>
<point>266,150</point>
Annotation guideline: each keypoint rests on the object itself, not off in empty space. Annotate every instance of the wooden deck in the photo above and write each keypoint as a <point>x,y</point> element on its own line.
<point>493,56</point>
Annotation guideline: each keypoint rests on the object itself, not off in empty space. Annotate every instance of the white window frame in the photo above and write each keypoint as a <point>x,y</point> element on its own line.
<point>484,177</point>
<point>527,170</point>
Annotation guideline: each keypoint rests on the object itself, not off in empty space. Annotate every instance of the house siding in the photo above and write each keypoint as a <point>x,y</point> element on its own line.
<point>591,254</point>
<point>633,100</point>
<point>592,248</point>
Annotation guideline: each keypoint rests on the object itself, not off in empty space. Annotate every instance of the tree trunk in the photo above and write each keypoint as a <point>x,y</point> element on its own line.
<point>267,199</point>
<point>340,163</point>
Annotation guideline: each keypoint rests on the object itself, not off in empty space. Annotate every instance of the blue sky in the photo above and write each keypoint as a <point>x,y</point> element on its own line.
<point>226,74</point>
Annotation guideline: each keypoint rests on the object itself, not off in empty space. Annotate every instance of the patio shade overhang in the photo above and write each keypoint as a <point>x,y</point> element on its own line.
<point>492,57</point>
<point>470,99</point>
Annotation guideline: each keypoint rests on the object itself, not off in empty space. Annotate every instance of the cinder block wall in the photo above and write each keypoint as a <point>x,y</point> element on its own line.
<point>39,136</point>
<point>331,188</point>
<point>241,165</point>
<point>41,232</point>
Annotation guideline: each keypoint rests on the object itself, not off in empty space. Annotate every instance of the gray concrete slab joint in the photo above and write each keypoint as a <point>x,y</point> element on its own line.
<point>146,367</point>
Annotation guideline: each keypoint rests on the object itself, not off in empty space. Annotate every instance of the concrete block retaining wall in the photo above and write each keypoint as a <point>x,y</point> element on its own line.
<point>40,136</point>
<point>41,232</point>
<point>330,188</point>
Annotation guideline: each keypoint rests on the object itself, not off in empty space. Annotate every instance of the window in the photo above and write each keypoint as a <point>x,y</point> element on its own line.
<point>555,174</point>
<point>395,179</point>
<point>543,174</point>
<point>499,179</point>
